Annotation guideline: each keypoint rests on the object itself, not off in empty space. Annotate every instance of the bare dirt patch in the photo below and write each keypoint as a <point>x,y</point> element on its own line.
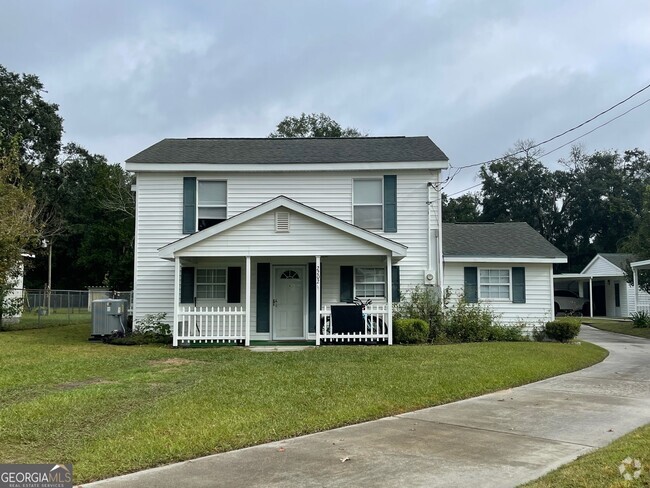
<point>80,384</point>
<point>171,362</point>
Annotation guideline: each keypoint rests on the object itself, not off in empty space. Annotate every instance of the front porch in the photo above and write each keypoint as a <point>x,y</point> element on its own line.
<point>282,300</point>
<point>283,271</point>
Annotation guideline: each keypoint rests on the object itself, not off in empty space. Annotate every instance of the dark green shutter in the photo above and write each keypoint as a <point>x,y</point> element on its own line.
<point>234,284</point>
<point>263,297</point>
<point>395,284</point>
<point>312,297</point>
<point>471,284</point>
<point>347,284</point>
<point>390,203</point>
<point>187,285</point>
<point>189,205</point>
<point>617,295</point>
<point>518,285</point>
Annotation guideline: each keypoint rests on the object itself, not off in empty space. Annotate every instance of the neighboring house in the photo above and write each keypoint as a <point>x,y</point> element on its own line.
<point>606,275</point>
<point>256,239</point>
<point>13,299</point>
<point>506,266</point>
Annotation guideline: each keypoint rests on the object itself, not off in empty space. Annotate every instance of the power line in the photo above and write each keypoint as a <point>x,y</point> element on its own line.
<point>460,168</point>
<point>552,150</point>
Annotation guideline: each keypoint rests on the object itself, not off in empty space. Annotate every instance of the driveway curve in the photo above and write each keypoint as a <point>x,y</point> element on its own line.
<point>500,439</point>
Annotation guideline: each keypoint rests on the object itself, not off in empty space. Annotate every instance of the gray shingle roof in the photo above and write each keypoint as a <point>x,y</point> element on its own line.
<point>509,239</point>
<point>619,260</point>
<point>298,150</point>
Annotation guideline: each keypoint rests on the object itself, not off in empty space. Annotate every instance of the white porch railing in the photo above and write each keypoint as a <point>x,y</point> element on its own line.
<point>211,324</point>
<point>376,326</point>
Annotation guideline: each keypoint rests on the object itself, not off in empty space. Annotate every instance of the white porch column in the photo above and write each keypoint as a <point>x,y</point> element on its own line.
<point>177,298</point>
<point>247,340</point>
<point>635,273</point>
<point>318,275</point>
<point>591,296</point>
<point>389,297</point>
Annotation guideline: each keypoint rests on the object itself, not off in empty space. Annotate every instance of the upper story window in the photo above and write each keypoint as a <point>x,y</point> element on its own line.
<point>368,203</point>
<point>211,203</point>
<point>494,284</point>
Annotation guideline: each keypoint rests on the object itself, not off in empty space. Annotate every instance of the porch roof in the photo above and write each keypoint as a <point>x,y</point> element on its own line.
<point>382,245</point>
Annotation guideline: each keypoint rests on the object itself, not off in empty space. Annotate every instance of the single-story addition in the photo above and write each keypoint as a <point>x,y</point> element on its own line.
<point>605,280</point>
<point>507,266</point>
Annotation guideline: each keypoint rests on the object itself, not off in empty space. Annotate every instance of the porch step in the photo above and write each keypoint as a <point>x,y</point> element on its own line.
<point>271,348</point>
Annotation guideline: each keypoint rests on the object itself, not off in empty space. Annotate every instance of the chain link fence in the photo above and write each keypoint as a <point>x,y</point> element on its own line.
<point>33,308</point>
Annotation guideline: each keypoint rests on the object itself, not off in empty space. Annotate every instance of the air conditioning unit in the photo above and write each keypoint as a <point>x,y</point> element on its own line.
<point>108,316</point>
<point>429,277</point>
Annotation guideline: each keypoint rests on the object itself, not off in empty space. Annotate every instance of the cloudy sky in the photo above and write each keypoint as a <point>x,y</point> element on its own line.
<point>475,76</point>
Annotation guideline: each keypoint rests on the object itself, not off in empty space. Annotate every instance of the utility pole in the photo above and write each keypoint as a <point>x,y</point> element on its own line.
<point>49,279</point>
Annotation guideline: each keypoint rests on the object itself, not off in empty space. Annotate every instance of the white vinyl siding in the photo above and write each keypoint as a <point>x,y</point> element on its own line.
<point>538,307</point>
<point>160,212</point>
<point>370,282</point>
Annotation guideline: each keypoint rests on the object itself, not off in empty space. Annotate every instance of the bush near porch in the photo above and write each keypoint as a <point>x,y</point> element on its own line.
<point>463,322</point>
<point>112,410</point>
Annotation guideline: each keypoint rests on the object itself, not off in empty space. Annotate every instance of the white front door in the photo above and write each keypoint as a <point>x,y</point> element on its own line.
<point>288,302</point>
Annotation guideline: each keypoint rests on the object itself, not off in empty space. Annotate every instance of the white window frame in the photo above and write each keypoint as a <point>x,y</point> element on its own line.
<point>381,182</point>
<point>478,283</point>
<point>198,206</point>
<point>225,283</point>
<point>354,280</point>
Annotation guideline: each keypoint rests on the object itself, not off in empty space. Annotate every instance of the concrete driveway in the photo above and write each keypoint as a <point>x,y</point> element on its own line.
<point>500,439</point>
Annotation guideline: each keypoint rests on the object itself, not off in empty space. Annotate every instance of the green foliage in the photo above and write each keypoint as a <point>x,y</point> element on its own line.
<point>641,319</point>
<point>563,329</point>
<point>312,125</point>
<point>465,208</point>
<point>422,302</point>
<point>151,329</point>
<point>464,322</point>
<point>410,331</point>
<point>25,115</point>
<point>538,334</point>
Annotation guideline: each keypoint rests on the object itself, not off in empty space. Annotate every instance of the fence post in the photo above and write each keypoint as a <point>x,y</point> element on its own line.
<point>68,306</point>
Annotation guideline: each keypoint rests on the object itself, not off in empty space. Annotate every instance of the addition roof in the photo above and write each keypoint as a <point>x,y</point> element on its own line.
<point>291,150</point>
<point>497,240</point>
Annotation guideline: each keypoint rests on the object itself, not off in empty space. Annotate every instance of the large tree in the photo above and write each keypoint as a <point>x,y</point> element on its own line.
<point>312,125</point>
<point>465,208</point>
<point>18,226</point>
<point>36,122</point>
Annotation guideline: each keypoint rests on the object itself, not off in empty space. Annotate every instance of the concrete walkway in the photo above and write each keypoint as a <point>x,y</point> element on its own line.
<point>500,439</point>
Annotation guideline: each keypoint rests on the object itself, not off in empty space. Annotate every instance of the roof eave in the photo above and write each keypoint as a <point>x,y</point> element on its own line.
<point>505,259</point>
<point>283,167</point>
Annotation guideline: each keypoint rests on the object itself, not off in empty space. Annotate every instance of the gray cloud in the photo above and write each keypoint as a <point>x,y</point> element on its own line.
<point>473,75</point>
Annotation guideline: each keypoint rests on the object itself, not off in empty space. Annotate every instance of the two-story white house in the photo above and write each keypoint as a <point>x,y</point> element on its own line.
<point>244,240</point>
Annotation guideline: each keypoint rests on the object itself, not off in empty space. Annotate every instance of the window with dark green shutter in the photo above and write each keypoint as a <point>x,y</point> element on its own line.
<point>395,290</point>
<point>187,285</point>
<point>390,203</point>
<point>189,205</point>
<point>263,297</point>
<point>471,284</point>
<point>518,284</point>
<point>346,284</point>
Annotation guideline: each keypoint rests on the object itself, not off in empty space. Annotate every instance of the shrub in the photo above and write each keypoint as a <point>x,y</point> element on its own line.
<point>538,334</point>
<point>152,329</point>
<point>410,331</point>
<point>563,329</point>
<point>641,319</point>
<point>422,302</point>
<point>506,333</point>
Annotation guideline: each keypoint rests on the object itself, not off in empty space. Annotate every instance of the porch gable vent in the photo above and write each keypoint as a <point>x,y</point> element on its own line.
<point>282,221</point>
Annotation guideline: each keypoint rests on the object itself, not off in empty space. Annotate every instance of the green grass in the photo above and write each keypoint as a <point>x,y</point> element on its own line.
<point>31,320</point>
<point>114,409</point>
<point>600,468</point>
<point>618,326</point>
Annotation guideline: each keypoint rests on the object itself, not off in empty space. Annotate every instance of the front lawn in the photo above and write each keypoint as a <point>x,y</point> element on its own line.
<point>115,409</point>
<point>57,317</point>
<point>601,468</point>
<point>618,326</point>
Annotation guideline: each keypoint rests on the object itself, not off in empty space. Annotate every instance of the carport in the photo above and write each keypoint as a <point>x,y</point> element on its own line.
<point>581,279</point>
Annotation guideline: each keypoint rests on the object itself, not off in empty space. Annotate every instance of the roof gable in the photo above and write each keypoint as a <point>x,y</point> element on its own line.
<point>497,240</point>
<point>608,264</point>
<point>266,151</point>
<point>386,245</point>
